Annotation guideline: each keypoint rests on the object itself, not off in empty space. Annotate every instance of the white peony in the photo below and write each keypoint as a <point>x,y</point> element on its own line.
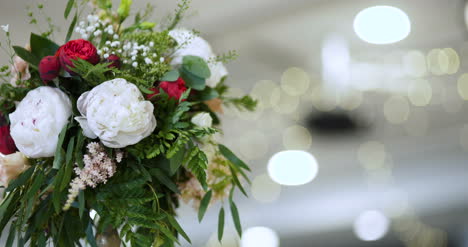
<point>117,113</point>
<point>38,119</point>
<point>191,44</point>
<point>202,119</point>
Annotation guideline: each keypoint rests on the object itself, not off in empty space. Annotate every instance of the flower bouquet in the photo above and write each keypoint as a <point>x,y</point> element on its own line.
<point>102,137</point>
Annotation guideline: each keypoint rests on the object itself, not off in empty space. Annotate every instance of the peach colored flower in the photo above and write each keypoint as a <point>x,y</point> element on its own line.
<point>19,71</point>
<point>11,166</point>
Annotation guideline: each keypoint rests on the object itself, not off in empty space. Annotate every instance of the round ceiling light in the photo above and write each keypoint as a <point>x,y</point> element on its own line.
<point>292,167</point>
<point>382,25</point>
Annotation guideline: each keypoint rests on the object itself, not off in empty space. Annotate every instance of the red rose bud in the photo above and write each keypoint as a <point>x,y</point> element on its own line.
<point>49,68</point>
<point>7,145</point>
<point>174,89</point>
<point>114,60</point>
<point>77,49</point>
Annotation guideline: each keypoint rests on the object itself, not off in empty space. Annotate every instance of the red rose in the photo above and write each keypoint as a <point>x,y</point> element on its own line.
<point>49,68</point>
<point>114,60</point>
<point>7,145</point>
<point>174,89</point>
<point>75,49</point>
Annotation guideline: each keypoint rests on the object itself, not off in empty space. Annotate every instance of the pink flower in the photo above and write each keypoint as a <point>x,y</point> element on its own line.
<point>19,70</point>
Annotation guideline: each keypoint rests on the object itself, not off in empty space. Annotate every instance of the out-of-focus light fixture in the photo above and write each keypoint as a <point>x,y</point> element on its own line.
<point>382,25</point>
<point>371,225</point>
<point>259,236</point>
<point>292,167</point>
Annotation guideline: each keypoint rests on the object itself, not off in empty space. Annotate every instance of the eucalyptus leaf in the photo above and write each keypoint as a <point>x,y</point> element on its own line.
<point>192,80</point>
<point>197,66</point>
<point>41,46</point>
<point>204,205</point>
<point>208,93</point>
<point>172,75</point>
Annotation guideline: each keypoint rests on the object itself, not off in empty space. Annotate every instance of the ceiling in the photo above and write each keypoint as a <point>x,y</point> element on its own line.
<point>428,172</point>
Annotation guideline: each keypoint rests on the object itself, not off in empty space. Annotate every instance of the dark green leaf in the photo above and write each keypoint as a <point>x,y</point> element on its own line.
<point>168,233</point>
<point>71,27</point>
<point>176,161</point>
<point>220,224</point>
<point>208,93</point>
<point>192,80</point>
<point>81,203</point>
<point>176,226</point>
<point>41,46</point>
<point>145,90</point>
<point>90,235</point>
<point>58,159</point>
<point>27,56</point>
<point>21,180</point>
<point>37,182</point>
<point>164,179</point>
<point>172,75</point>
<point>237,182</point>
<point>68,8</point>
<point>232,157</point>
<point>235,217</point>
<point>11,236</point>
<point>197,66</point>
<point>204,205</point>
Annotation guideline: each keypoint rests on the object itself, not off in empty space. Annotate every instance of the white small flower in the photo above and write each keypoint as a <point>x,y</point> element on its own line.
<point>134,64</point>
<point>110,31</point>
<point>5,27</point>
<point>96,25</point>
<point>90,29</point>
<point>105,49</point>
<point>106,55</point>
<point>134,52</point>
<point>116,36</point>
<point>161,59</point>
<point>148,61</point>
<point>99,52</point>
<point>97,32</point>
<point>85,36</point>
<point>151,43</point>
<point>133,58</point>
<point>117,113</point>
<point>108,42</point>
<point>155,55</point>
<point>202,119</point>
<point>38,120</point>
<point>119,50</point>
<point>125,61</point>
<point>144,54</point>
<point>81,24</point>
<point>77,29</point>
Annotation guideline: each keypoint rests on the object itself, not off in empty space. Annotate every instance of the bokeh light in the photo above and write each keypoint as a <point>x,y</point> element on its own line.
<point>418,123</point>
<point>322,100</point>
<point>437,62</point>
<point>264,189</point>
<point>414,63</point>
<point>382,25</point>
<point>282,102</point>
<point>297,137</point>
<point>230,239</point>
<point>396,110</point>
<point>351,100</point>
<point>295,81</point>
<point>371,225</point>
<point>292,167</point>
<point>463,86</point>
<point>372,154</point>
<point>262,92</point>
<point>253,144</point>
<point>259,237</point>
<point>420,92</point>
<point>453,60</point>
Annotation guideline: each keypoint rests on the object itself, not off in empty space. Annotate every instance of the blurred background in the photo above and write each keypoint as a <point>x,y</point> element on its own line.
<point>372,100</point>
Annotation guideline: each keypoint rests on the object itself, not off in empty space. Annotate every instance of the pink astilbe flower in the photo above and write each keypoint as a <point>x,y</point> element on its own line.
<point>99,167</point>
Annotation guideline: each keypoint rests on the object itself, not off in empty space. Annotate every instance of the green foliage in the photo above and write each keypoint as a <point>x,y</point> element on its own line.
<point>181,9</point>
<point>93,74</point>
<point>124,9</point>
<point>41,46</point>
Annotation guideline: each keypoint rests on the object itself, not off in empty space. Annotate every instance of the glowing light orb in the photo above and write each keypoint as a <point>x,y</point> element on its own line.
<point>371,225</point>
<point>292,167</point>
<point>382,25</point>
<point>259,236</point>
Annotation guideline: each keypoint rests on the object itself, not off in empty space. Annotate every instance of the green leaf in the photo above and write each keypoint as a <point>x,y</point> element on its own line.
<point>68,8</point>
<point>27,56</point>
<point>124,9</point>
<point>81,203</point>
<point>172,75</point>
<point>21,180</point>
<point>11,236</point>
<point>237,182</point>
<point>68,164</point>
<point>192,80</point>
<point>176,161</point>
<point>41,46</point>
<point>228,154</point>
<point>197,66</point>
<point>164,179</point>
<point>204,205</point>
<point>176,226</point>
<point>168,233</point>
<point>58,159</point>
<point>145,90</point>
<point>71,27</point>
<point>235,217</point>
<point>208,93</point>
<point>90,235</point>
<point>37,182</point>
<point>221,224</point>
